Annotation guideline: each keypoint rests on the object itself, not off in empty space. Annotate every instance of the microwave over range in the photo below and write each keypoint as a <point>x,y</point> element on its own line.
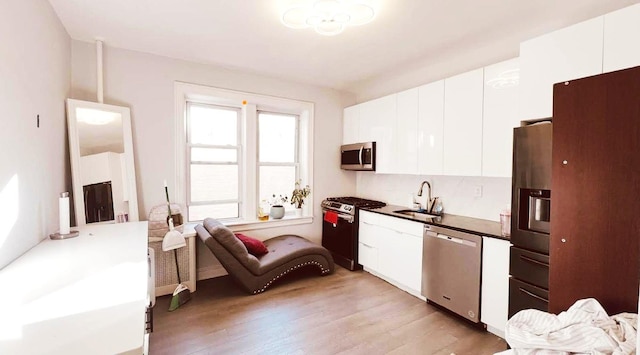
<point>358,156</point>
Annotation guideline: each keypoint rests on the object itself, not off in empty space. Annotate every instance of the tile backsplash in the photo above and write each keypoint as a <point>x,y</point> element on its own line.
<point>457,193</point>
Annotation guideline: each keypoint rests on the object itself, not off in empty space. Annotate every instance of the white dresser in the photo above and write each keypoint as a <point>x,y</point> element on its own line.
<point>85,295</point>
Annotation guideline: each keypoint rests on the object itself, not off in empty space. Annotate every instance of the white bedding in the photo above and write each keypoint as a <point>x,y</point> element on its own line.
<point>585,328</point>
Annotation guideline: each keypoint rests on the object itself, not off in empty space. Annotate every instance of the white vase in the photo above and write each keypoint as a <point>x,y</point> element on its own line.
<point>277,212</point>
<point>298,212</point>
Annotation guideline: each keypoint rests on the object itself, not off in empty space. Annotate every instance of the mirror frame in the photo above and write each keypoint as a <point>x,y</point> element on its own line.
<point>74,152</point>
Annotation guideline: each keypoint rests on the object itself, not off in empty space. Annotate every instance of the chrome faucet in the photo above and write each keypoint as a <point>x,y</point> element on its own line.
<point>429,201</point>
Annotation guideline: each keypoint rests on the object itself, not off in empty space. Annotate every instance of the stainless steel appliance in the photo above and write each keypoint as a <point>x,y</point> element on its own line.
<point>530,216</point>
<point>451,270</point>
<point>358,156</point>
<point>341,237</point>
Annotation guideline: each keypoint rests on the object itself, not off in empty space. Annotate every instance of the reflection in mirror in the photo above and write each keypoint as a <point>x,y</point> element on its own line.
<point>102,162</point>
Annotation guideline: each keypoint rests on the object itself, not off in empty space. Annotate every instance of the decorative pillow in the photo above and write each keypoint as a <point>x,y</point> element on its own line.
<point>254,246</point>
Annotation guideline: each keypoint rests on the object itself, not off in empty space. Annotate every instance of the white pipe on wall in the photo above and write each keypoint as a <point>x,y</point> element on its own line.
<point>99,79</point>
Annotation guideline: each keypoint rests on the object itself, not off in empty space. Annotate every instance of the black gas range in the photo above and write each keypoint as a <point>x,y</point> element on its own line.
<point>340,228</point>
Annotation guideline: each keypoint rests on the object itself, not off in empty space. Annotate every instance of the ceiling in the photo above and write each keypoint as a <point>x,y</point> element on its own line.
<point>247,35</point>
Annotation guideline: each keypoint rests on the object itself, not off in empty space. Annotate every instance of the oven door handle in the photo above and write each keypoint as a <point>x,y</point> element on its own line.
<point>347,217</point>
<point>360,154</point>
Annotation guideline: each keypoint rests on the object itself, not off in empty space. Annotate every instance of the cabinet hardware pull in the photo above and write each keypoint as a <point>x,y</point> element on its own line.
<point>524,258</point>
<point>533,295</point>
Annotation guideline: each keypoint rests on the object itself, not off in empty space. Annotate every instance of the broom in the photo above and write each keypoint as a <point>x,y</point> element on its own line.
<point>181,294</point>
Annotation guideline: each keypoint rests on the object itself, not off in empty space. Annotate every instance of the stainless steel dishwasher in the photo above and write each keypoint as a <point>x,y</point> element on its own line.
<point>451,269</point>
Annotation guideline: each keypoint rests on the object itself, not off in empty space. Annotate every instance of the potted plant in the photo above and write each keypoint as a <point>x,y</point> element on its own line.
<point>298,195</point>
<point>277,206</point>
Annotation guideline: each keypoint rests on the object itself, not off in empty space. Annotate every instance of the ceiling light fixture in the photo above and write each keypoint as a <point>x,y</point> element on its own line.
<point>328,17</point>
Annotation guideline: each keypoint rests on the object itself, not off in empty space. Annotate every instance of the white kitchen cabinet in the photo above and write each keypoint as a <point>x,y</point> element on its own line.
<point>621,38</point>
<point>570,53</point>
<point>463,124</point>
<point>392,250</point>
<point>406,134</point>
<point>499,117</point>
<point>101,167</point>
<point>377,124</point>
<point>368,236</point>
<point>430,128</point>
<point>495,284</point>
<point>400,258</point>
<point>351,125</point>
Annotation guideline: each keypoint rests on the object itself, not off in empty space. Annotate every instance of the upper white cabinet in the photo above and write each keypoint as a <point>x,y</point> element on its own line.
<point>570,53</point>
<point>430,128</point>
<point>500,116</point>
<point>621,38</point>
<point>495,284</point>
<point>463,124</point>
<point>377,124</point>
<point>351,125</point>
<point>406,154</point>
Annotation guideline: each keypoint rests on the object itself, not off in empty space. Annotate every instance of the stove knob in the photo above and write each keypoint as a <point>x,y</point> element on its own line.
<point>348,208</point>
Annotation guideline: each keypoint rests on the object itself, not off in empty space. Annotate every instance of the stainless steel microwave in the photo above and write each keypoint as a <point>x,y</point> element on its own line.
<point>358,156</point>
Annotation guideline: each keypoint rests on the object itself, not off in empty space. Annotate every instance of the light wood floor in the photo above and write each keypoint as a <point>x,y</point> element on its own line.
<point>343,313</point>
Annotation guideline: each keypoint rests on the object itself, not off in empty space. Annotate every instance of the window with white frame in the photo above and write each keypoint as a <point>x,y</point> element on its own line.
<point>237,149</point>
<point>213,151</point>
<point>277,155</point>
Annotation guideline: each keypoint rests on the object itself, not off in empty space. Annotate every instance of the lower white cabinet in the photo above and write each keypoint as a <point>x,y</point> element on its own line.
<point>368,243</point>
<point>495,284</point>
<point>391,248</point>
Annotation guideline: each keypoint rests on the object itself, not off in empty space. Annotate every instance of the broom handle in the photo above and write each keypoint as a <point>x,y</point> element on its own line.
<point>175,257</point>
<point>166,192</point>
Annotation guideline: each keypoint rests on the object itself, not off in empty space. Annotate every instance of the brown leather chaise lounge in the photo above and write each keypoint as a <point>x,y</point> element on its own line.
<point>256,274</point>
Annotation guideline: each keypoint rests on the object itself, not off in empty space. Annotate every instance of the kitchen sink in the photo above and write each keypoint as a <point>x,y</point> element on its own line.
<point>416,213</point>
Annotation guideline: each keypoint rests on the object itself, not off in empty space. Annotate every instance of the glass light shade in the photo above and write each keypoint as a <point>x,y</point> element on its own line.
<point>329,28</point>
<point>328,17</point>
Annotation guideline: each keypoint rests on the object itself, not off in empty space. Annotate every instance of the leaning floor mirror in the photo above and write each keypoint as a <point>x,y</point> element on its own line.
<point>103,175</point>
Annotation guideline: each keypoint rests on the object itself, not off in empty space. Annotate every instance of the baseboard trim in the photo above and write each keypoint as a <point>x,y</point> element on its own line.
<point>210,272</point>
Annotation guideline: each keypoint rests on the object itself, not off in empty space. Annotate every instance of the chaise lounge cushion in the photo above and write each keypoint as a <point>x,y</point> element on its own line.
<point>255,274</point>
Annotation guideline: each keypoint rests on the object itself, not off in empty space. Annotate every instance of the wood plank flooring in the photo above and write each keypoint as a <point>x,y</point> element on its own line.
<point>343,313</point>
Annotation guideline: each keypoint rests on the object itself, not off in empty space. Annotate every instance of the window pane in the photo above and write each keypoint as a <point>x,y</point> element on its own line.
<point>212,125</point>
<point>277,138</point>
<point>199,213</point>
<point>278,180</point>
<point>214,182</point>
<point>214,155</point>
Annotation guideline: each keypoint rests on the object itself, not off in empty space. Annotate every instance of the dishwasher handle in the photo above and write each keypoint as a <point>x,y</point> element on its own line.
<point>447,238</point>
<point>430,234</point>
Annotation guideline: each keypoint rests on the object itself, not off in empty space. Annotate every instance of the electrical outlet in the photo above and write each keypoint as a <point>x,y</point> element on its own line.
<point>477,191</point>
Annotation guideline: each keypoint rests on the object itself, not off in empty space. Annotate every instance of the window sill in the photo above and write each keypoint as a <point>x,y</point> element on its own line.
<point>237,226</point>
<point>286,221</point>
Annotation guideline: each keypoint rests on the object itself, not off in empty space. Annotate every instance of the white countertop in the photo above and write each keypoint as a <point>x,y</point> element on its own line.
<point>85,295</point>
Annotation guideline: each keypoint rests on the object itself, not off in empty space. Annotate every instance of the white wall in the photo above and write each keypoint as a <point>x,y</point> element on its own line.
<point>34,165</point>
<point>455,192</point>
<point>145,83</point>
